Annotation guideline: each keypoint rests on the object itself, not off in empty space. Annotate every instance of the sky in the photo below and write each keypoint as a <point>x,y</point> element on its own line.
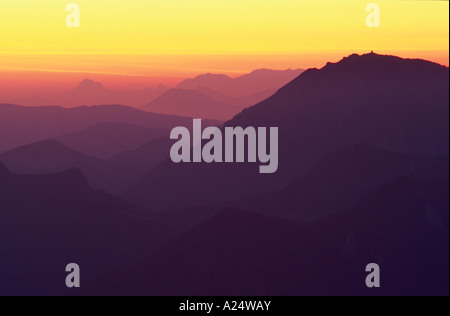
<point>139,43</point>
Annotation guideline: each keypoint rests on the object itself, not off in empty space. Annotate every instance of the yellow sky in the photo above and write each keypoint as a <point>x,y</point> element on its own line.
<point>169,37</point>
<point>220,26</point>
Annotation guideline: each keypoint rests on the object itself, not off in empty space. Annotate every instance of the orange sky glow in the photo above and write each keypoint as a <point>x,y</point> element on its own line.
<point>134,44</point>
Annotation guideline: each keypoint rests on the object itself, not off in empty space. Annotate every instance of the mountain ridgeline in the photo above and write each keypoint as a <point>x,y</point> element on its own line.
<point>21,125</point>
<point>397,104</point>
<point>363,178</point>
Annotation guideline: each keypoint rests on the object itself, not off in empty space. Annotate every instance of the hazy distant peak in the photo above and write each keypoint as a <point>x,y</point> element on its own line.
<point>91,86</point>
<point>46,144</point>
<point>179,96</point>
<point>250,84</point>
<point>89,82</point>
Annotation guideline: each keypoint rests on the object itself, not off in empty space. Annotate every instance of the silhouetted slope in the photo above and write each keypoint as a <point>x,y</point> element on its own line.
<point>397,104</point>
<point>48,221</point>
<point>24,125</point>
<point>145,158</point>
<point>89,92</point>
<point>3,170</point>
<point>402,226</point>
<point>191,103</point>
<point>105,140</point>
<point>138,98</point>
<point>342,179</point>
<point>239,103</point>
<point>45,157</point>
<point>51,156</point>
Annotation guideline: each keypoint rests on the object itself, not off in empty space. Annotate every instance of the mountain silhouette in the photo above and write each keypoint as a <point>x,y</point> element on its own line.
<point>239,103</point>
<point>246,85</point>
<point>340,180</point>
<point>21,125</point>
<point>4,172</point>
<point>55,219</point>
<point>243,91</point>
<point>363,178</point>
<point>51,156</point>
<point>138,98</point>
<point>145,158</point>
<point>48,156</point>
<point>105,140</point>
<point>89,92</point>
<point>191,103</point>
<point>88,85</point>
<point>402,225</point>
<point>397,104</point>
